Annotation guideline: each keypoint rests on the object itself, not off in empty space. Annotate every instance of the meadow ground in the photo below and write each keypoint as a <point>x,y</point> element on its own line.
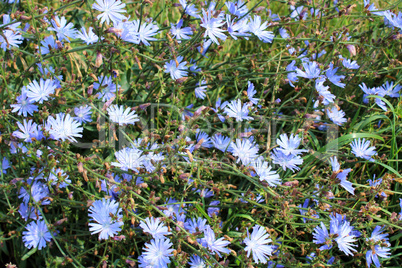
<point>200,134</point>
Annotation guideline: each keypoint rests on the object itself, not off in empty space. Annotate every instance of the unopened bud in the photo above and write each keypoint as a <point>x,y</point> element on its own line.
<point>190,156</point>
<point>138,62</point>
<point>59,44</point>
<point>98,61</point>
<point>23,17</point>
<point>59,222</point>
<point>55,21</point>
<point>352,49</point>
<point>115,73</point>
<point>184,176</point>
<point>115,31</point>
<point>90,90</point>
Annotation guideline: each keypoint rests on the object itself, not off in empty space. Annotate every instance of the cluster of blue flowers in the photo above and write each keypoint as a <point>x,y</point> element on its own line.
<point>344,236</point>
<point>41,135</point>
<point>158,251</point>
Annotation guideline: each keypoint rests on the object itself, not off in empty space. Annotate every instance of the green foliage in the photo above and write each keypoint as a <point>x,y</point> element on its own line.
<point>162,103</point>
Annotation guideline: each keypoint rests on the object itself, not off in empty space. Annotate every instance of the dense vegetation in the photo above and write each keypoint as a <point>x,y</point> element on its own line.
<point>200,134</point>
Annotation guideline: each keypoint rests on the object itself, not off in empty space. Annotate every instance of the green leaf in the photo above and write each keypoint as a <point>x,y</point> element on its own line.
<point>361,125</point>
<point>128,76</point>
<point>245,216</point>
<point>26,256</point>
<point>339,142</point>
<point>203,212</point>
<point>395,237</point>
<point>3,247</point>
<point>235,234</point>
<point>389,168</point>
